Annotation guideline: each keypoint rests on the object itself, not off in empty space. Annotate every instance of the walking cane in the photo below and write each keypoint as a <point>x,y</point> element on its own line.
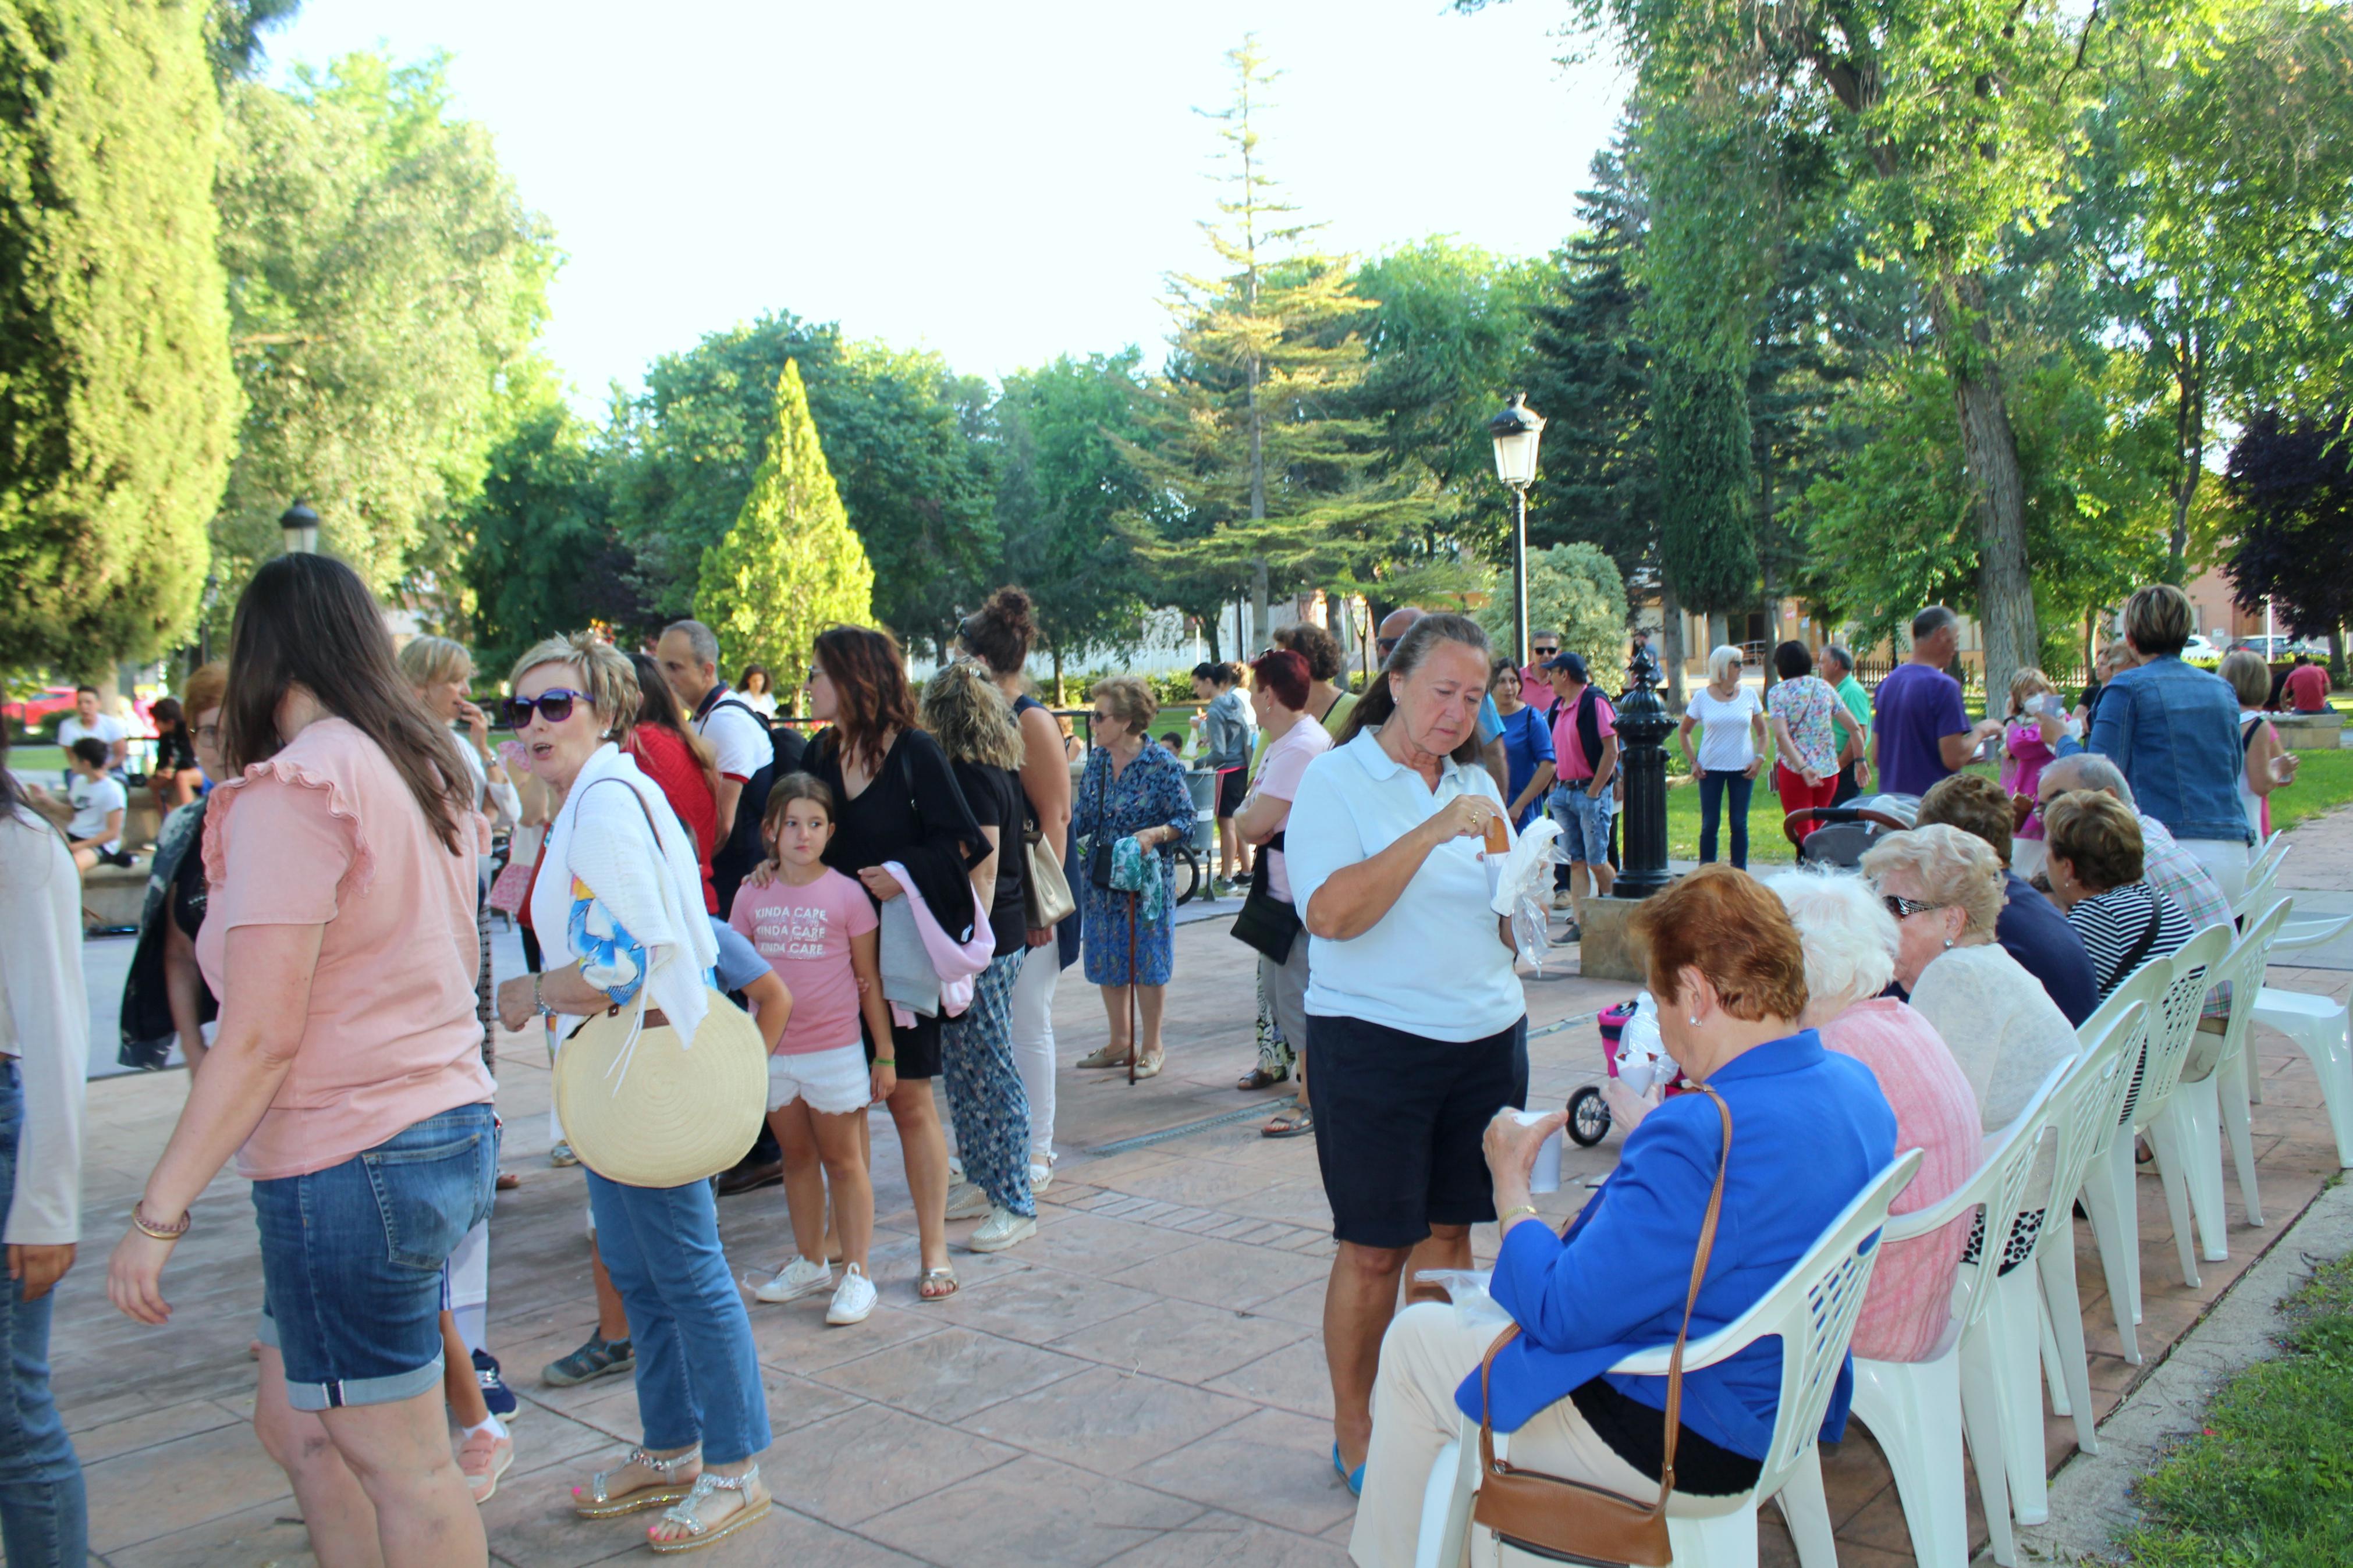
<point>1134,1045</point>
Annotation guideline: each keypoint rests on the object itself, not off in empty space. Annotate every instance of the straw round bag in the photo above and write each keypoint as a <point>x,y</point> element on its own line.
<point>680,1114</point>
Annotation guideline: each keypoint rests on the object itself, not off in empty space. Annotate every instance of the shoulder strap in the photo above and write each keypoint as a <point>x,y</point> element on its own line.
<point>2147,938</point>
<point>1674,1361</point>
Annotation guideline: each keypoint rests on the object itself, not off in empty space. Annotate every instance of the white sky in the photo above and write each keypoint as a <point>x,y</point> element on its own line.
<point>1001,183</point>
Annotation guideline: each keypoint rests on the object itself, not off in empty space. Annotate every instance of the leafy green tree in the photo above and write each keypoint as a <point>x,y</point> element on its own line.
<point>1063,485</point>
<point>916,483</point>
<point>117,403</point>
<point>1707,549</point>
<point>543,555</point>
<point>791,566</point>
<point>1576,590</point>
<point>232,30</point>
<point>383,278</point>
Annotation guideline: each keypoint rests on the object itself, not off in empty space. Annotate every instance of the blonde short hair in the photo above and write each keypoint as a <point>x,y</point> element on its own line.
<point>1129,700</point>
<point>1849,937</point>
<point>605,674</point>
<point>1720,656</point>
<point>1954,868</point>
<point>2159,620</point>
<point>425,661</point>
<point>2250,676</point>
<point>2028,683</point>
<point>970,718</point>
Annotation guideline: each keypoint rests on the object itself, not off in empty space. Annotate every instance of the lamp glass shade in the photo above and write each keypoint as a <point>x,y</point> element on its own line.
<point>301,529</point>
<point>1516,430</point>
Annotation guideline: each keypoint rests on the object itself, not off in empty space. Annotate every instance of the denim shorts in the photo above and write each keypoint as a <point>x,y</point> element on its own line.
<point>351,1258</point>
<point>1584,823</point>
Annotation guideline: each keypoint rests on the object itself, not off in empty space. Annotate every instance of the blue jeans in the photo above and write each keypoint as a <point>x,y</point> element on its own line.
<point>1584,823</point>
<point>44,1519</point>
<point>351,1259</point>
<point>1713,786</point>
<point>698,1375</point>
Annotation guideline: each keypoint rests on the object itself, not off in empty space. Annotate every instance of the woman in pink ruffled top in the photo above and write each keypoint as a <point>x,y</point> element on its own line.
<point>2024,755</point>
<point>1850,946</point>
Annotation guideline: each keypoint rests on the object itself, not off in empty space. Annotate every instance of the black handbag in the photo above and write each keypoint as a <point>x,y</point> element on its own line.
<point>1266,923</point>
<point>1099,850</point>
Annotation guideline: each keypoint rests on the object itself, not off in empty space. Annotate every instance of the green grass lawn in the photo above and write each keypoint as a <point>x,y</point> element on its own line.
<point>41,762</point>
<point>2323,781</point>
<point>2269,1479</point>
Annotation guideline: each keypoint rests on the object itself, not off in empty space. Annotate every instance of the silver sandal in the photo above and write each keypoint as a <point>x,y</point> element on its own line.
<point>601,1502</point>
<point>699,1534</point>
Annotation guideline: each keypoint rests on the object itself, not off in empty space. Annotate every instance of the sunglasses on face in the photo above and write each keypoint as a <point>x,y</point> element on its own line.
<point>1903,908</point>
<point>555,705</point>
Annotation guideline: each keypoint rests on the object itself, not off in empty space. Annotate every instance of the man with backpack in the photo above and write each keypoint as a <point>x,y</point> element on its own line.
<point>1585,744</point>
<point>751,756</point>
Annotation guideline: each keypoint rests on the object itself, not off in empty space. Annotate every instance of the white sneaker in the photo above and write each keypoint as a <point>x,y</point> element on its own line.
<point>967,1201</point>
<point>853,1298</point>
<point>1003,1229</point>
<point>795,1280</point>
<point>1561,899</point>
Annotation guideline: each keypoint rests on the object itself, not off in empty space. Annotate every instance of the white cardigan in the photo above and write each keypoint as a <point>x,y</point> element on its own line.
<point>603,837</point>
<point>45,1025</point>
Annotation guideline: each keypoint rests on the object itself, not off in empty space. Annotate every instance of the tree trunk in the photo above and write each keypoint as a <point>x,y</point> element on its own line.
<point>1990,450</point>
<point>2189,450</point>
<point>2336,656</point>
<point>1062,697</point>
<point>1671,644</point>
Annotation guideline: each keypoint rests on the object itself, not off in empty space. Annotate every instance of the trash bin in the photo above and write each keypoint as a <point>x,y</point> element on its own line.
<point>1203,783</point>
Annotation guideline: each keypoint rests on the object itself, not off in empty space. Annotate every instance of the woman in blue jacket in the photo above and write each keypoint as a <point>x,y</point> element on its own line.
<point>1810,1130</point>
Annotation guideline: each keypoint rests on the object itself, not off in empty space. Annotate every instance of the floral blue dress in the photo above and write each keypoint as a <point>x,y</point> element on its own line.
<point>1150,792</point>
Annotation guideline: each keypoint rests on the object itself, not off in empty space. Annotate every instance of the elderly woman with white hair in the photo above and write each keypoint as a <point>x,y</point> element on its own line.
<point>1850,943</point>
<point>1944,888</point>
<point>1731,750</point>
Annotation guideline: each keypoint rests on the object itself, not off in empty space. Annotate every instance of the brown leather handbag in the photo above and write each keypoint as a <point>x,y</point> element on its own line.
<point>1575,1521</point>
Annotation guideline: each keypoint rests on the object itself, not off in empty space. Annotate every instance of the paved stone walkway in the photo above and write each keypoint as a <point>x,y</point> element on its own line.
<point>1141,1384</point>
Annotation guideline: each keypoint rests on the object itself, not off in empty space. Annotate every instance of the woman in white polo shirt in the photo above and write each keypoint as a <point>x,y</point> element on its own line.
<point>1415,1014</point>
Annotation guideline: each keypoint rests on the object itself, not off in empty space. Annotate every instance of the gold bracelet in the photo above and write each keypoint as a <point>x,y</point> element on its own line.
<point>139,1222</point>
<point>1503,1220</point>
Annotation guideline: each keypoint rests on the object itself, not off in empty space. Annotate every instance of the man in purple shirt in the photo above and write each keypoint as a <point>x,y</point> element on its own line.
<point>1924,732</point>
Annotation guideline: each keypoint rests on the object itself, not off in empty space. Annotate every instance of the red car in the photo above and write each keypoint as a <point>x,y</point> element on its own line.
<point>32,714</point>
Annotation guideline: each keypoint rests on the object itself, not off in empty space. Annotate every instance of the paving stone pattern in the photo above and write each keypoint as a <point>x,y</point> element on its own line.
<point>1141,1384</point>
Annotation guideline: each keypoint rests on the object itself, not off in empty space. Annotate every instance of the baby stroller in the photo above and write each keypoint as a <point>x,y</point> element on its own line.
<point>1842,833</point>
<point>1588,1113</point>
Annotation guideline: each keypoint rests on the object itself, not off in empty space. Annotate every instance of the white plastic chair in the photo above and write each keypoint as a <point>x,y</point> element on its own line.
<point>2263,864</point>
<point>2203,1109</point>
<point>1919,1411</point>
<point>2315,1024</point>
<point>2113,1037</point>
<point>2294,936</point>
<point>1811,1310</point>
<point>2108,1196</point>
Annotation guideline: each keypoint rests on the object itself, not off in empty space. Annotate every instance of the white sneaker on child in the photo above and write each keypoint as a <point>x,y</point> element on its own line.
<point>852,1300</point>
<point>795,1280</point>
<point>967,1201</point>
<point>1003,1229</point>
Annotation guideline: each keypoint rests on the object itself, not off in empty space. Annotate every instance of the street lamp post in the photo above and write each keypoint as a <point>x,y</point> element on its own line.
<point>1516,430</point>
<point>302,526</point>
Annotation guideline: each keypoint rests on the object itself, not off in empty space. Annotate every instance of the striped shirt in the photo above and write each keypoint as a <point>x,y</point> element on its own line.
<point>2113,923</point>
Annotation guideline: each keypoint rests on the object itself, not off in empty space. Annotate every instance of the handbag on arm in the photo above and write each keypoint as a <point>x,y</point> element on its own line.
<point>1578,1522</point>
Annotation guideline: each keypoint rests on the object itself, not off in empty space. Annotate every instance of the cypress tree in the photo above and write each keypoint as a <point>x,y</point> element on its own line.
<point>1707,544</point>
<point>117,399</point>
<point>790,567</point>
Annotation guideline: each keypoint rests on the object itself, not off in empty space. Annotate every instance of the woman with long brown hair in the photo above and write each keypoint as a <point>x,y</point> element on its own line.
<point>347,1077</point>
<point>900,803</point>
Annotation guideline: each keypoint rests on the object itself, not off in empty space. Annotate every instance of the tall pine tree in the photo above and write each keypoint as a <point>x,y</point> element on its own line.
<point>790,567</point>
<point>117,402</point>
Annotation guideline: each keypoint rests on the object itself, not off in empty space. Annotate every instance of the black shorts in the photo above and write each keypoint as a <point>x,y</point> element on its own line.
<point>1399,1124</point>
<point>916,1047</point>
<point>1233,784</point>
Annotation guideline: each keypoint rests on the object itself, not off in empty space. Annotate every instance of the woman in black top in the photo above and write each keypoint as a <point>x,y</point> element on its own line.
<point>974,725</point>
<point>164,998</point>
<point>176,776</point>
<point>900,802</point>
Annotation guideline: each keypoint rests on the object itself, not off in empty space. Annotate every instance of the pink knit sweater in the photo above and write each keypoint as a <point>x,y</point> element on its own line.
<point>1912,1288</point>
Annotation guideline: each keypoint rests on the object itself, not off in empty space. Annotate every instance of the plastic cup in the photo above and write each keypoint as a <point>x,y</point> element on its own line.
<point>1544,1178</point>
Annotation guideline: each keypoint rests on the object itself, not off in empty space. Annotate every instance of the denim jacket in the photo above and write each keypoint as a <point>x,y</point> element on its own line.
<point>2173,730</point>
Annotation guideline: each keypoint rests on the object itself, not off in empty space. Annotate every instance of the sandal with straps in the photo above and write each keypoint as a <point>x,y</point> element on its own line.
<point>699,1534</point>
<point>601,1502</point>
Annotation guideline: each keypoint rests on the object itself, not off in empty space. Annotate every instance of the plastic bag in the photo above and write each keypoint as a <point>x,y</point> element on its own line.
<point>1467,1288</point>
<point>1642,1055</point>
<point>1520,888</point>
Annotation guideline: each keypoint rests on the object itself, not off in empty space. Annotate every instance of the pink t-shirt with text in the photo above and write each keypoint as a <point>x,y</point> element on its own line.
<point>803,933</point>
<point>326,832</point>
<point>1278,779</point>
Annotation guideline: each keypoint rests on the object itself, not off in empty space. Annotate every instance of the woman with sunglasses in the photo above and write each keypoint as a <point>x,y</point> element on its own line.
<point>1944,888</point>
<point>620,897</point>
<point>1731,750</point>
<point>347,1076</point>
<point>900,802</point>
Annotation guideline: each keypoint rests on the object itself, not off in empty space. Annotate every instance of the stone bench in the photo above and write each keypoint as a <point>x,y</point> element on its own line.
<point>114,895</point>
<point>2309,731</point>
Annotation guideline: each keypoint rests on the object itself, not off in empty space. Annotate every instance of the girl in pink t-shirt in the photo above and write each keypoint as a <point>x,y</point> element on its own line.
<point>818,929</point>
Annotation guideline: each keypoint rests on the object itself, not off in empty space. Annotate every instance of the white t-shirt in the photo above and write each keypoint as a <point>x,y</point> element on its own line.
<point>1279,774</point>
<point>741,741</point>
<point>94,800</point>
<point>1434,965</point>
<point>1727,744</point>
<point>108,729</point>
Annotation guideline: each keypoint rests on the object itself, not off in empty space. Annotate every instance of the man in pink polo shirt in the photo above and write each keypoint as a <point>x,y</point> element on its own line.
<point>1584,751</point>
<point>1536,685</point>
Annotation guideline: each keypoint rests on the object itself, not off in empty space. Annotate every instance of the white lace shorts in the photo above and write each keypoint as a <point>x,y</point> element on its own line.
<point>835,1081</point>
